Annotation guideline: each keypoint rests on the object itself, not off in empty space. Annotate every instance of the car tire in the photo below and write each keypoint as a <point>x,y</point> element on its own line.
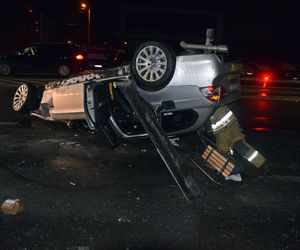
<point>5,69</point>
<point>64,70</point>
<point>26,98</point>
<point>153,65</point>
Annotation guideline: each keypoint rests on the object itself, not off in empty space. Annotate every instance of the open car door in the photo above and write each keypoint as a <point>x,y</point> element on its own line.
<point>99,112</point>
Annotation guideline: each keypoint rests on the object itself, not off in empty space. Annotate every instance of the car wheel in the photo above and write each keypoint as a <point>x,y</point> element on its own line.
<point>26,98</point>
<point>5,69</point>
<point>153,66</point>
<point>64,70</point>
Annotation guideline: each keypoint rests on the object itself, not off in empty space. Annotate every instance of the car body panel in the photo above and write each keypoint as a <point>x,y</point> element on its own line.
<point>68,100</point>
<point>197,70</point>
<point>65,102</point>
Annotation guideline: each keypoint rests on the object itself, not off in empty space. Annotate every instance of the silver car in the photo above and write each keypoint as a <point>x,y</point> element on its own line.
<point>183,90</point>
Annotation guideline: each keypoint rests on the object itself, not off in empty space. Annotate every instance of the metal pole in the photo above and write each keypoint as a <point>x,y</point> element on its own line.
<point>89,27</point>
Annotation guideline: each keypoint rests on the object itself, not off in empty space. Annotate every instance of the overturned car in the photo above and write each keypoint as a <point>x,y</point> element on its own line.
<point>158,95</point>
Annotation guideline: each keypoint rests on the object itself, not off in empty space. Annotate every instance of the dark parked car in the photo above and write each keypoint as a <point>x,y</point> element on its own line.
<point>97,58</point>
<point>44,58</point>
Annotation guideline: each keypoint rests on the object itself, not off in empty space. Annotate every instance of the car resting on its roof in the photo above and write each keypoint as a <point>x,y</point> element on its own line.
<point>158,95</point>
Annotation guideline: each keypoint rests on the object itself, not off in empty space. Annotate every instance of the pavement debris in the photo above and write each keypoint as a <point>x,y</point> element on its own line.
<point>11,207</point>
<point>83,248</point>
<point>123,220</point>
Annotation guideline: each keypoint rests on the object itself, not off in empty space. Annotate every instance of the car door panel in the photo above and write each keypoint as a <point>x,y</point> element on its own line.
<point>68,102</point>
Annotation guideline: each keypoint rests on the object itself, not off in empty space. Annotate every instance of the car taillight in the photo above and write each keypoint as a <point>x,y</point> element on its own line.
<point>213,93</point>
<point>79,57</point>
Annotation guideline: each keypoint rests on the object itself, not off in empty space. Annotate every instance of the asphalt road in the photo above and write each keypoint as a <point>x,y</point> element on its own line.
<point>78,193</point>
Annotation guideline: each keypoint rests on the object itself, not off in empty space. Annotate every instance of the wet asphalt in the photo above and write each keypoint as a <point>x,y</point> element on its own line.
<point>79,193</point>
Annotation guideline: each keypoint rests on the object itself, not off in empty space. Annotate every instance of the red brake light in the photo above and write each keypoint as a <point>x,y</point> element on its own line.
<point>79,57</point>
<point>213,93</point>
<point>211,89</point>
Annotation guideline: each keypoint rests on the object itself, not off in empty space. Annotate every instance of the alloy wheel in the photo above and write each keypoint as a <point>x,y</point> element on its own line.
<point>20,97</point>
<point>5,69</point>
<point>151,63</point>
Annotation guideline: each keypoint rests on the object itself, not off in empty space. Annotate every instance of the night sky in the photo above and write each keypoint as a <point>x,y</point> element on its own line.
<point>268,29</point>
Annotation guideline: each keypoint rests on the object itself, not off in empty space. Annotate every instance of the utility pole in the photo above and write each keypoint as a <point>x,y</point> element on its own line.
<point>85,6</point>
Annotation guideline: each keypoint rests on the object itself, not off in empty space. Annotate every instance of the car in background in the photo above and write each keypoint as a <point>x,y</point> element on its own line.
<point>264,73</point>
<point>97,58</point>
<point>44,58</point>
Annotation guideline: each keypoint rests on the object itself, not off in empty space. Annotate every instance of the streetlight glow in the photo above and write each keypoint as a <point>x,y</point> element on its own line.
<point>83,6</point>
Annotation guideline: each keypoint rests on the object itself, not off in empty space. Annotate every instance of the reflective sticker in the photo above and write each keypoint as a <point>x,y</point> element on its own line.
<point>252,156</point>
<point>223,122</point>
